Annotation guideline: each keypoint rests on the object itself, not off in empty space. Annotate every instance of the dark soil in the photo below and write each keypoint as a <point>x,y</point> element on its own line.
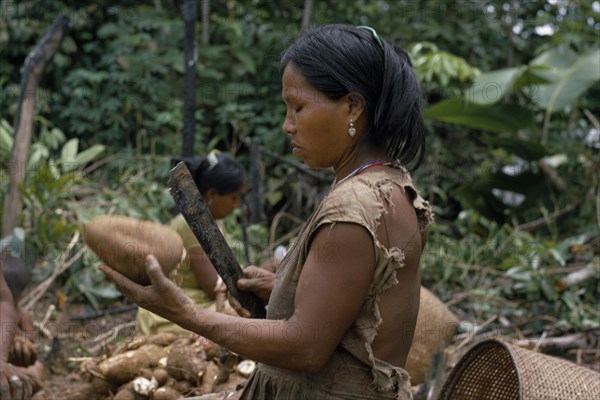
<point>77,331</point>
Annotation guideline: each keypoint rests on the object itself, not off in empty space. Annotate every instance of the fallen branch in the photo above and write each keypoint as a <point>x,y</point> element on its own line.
<point>476,328</point>
<point>109,336</point>
<point>592,118</point>
<point>545,220</point>
<point>559,344</point>
<point>574,278</point>
<point>42,328</point>
<point>552,174</point>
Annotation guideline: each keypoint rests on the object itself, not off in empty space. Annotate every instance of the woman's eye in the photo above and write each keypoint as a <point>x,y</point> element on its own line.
<point>297,109</point>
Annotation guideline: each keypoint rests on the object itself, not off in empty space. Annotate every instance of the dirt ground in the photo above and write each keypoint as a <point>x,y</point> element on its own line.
<point>75,332</point>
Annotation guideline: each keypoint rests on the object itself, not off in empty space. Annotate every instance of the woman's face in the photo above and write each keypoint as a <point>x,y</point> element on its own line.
<point>318,126</point>
<point>221,205</point>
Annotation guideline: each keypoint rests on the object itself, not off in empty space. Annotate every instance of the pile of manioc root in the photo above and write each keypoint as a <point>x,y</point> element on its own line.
<point>164,366</point>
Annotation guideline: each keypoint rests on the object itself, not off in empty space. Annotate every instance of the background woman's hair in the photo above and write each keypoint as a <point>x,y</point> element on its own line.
<point>340,59</point>
<point>226,175</point>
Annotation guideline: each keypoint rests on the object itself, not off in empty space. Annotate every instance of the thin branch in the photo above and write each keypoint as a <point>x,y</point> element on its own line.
<point>592,118</point>
<point>540,222</point>
<point>110,336</point>
<point>29,300</point>
<point>306,15</point>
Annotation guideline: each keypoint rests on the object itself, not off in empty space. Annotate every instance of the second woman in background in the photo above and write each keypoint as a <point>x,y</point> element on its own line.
<point>221,181</point>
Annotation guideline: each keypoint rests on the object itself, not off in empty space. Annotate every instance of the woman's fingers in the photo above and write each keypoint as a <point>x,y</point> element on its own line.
<point>235,304</point>
<point>20,387</point>
<point>154,270</point>
<point>123,284</point>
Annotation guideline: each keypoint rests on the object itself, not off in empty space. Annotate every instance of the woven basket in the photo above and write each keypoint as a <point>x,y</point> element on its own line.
<point>495,370</point>
<point>435,324</point>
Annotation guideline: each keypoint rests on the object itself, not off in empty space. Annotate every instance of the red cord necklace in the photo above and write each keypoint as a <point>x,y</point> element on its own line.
<point>360,169</point>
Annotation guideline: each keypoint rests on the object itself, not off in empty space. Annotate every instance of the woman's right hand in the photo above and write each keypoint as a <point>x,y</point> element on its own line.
<point>256,280</point>
<point>162,297</point>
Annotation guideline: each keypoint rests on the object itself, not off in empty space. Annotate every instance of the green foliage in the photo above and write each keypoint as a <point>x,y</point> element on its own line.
<point>511,138</point>
<point>510,273</point>
<point>494,118</point>
<point>441,73</point>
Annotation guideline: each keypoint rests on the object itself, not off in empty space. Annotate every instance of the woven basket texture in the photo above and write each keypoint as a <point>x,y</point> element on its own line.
<point>496,370</point>
<point>435,324</point>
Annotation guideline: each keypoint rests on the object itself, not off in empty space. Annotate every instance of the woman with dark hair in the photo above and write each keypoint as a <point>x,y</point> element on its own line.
<point>342,313</point>
<point>221,180</point>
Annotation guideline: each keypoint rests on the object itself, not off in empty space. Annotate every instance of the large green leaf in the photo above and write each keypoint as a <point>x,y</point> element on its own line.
<point>89,154</point>
<point>495,118</point>
<point>572,82</point>
<point>491,86</point>
<point>6,139</point>
<point>560,57</point>
<point>69,151</point>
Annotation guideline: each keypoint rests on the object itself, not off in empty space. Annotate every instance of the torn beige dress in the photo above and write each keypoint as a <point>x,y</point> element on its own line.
<point>353,372</point>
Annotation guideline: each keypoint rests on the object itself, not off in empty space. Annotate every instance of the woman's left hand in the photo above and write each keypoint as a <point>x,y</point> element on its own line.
<point>162,296</point>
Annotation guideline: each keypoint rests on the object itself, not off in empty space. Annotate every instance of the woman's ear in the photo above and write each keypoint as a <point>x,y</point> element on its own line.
<point>210,195</point>
<point>356,105</point>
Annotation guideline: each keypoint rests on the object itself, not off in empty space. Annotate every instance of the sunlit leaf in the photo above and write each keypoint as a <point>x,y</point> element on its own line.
<point>494,118</point>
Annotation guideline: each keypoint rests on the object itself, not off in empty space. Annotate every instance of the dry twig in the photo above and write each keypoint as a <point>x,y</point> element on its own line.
<point>29,300</point>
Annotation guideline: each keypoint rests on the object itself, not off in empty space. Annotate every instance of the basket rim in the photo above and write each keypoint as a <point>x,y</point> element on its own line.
<point>477,348</point>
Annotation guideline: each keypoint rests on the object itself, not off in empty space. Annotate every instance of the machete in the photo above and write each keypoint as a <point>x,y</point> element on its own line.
<point>192,206</point>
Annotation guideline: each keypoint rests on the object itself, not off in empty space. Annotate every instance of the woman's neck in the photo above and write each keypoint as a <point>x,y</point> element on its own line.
<point>358,158</point>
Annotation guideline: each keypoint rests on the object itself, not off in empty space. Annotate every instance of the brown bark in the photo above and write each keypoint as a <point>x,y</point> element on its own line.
<point>34,66</point>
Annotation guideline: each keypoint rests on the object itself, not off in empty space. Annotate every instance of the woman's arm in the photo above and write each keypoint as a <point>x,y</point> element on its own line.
<point>8,318</point>
<point>15,383</point>
<point>331,290</point>
<point>204,272</point>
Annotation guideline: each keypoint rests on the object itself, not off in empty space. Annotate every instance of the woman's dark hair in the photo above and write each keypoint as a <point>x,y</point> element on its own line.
<point>219,171</point>
<point>340,59</point>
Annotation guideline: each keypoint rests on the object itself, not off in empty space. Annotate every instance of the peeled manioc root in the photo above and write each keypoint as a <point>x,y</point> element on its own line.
<point>166,393</point>
<point>164,367</point>
<point>186,361</point>
<point>124,242</point>
<point>123,367</point>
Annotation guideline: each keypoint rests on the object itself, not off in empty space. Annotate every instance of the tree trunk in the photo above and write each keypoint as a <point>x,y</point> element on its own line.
<point>34,66</point>
<point>205,21</point>
<point>256,179</point>
<point>308,5</point>
<point>189,87</point>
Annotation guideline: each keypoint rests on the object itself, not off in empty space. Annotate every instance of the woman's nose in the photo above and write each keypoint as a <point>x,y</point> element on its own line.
<point>288,126</point>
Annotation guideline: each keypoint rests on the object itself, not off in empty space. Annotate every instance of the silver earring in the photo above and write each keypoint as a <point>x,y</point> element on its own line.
<point>351,129</point>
